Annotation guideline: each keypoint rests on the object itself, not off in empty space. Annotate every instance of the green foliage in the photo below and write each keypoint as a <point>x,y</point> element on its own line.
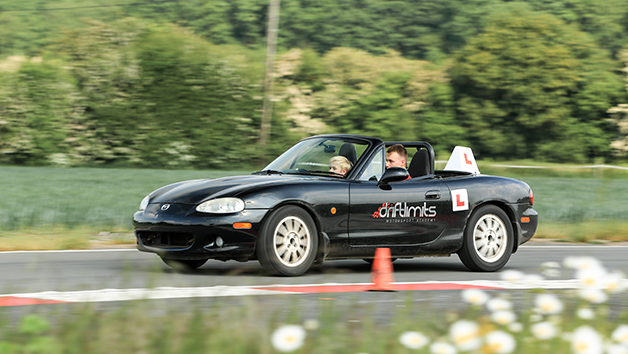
<point>604,20</point>
<point>157,98</point>
<point>352,91</point>
<point>33,325</point>
<point>35,103</point>
<point>530,87</point>
<point>179,84</point>
<point>32,338</point>
<point>379,113</point>
<point>438,124</point>
<point>420,30</point>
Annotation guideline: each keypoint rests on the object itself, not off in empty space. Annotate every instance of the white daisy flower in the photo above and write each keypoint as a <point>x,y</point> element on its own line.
<point>589,263</point>
<point>591,277</point>
<point>442,348</point>
<point>585,313</point>
<point>512,275</point>
<point>413,340</point>
<point>288,338</point>
<point>593,295</point>
<point>583,262</point>
<point>616,349</point>
<point>620,334</point>
<point>543,330</point>
<point>586,340</point>
<point>465,335</point>
<point>500,342</point>
<point>503,317</point>
<point>475,296</point>
<point>615,282</point>
<point>548,304</point>
<point>498,304</point>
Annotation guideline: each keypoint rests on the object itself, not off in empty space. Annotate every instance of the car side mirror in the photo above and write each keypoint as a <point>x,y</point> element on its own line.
<point>393,174</point>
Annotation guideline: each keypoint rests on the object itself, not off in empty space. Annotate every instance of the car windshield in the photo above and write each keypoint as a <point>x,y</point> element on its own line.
<point>329,156</point>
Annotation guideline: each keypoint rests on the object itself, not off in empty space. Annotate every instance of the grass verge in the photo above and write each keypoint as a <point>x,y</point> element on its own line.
<point>591,231</point>
<point>61,238</point>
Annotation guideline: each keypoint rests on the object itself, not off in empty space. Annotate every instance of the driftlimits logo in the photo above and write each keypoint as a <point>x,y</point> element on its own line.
<point>402,210</point>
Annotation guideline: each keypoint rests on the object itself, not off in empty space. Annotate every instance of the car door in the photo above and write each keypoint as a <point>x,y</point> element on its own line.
<point>413,211</point>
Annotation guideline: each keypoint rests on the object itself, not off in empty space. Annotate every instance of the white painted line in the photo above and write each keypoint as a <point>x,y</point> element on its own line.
<point>144,294</point>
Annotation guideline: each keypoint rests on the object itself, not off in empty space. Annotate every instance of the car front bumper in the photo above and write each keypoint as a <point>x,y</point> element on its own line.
<point>181,233</point>
<point>528,222</point>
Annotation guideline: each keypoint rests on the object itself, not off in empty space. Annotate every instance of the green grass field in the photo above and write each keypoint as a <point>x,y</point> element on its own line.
<point>99,199</point>
<point>42,202</point>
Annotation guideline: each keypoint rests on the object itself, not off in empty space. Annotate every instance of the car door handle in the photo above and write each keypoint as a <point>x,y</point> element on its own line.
<point>432,195</point>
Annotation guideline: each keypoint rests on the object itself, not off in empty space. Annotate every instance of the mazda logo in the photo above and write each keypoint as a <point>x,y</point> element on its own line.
<point>165,207</point>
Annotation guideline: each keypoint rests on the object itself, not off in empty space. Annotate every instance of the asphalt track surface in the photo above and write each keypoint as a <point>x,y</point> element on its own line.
<point>43,281</point>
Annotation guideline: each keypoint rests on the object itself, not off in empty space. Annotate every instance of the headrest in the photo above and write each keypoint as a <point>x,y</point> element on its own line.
<point>348,150</point>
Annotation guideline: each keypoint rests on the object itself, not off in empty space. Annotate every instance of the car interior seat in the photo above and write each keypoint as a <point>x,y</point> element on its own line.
<point>420,164</point>
<point>348,150</point>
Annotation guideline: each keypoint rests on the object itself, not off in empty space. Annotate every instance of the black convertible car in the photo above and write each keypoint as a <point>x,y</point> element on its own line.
<point>297,212</point>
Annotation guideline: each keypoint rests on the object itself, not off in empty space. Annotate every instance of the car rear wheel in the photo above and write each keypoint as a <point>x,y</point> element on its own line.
<point>184,264</point>
<point>288,241</point>
<point>488,240</point>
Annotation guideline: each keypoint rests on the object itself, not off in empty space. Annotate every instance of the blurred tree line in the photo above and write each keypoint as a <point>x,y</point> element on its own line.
<point>178,84</point>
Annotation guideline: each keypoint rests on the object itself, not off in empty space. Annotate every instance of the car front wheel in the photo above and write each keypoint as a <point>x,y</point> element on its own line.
<point>488,240</point>
<point>288,241</point>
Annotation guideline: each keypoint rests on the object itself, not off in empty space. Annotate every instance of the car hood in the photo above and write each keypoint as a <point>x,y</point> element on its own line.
<point>197,191</point>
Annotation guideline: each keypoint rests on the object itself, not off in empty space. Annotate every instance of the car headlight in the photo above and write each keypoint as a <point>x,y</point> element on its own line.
<point>144,203</point>
<point>221,206</point>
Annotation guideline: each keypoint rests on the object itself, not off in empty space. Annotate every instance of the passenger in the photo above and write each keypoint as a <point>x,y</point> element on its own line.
<point>397,156</point>
<point>339,164</point>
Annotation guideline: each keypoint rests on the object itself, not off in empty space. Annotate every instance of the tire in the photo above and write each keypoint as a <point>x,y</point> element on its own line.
<point>488,240</point>
<point>184,264</point>
<point>288,242</point>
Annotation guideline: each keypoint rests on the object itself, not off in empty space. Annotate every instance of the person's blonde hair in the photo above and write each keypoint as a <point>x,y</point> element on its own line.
<point>341,161</point>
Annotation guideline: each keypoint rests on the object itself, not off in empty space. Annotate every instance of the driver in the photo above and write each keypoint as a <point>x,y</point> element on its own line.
<point>339,164</point>
<point>397,156</point>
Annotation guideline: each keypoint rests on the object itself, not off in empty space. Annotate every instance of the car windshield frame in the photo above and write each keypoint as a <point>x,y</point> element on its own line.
<point>311,156</point>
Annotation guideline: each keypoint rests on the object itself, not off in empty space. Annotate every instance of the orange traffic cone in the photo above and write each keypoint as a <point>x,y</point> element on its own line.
<point>382,271</point>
